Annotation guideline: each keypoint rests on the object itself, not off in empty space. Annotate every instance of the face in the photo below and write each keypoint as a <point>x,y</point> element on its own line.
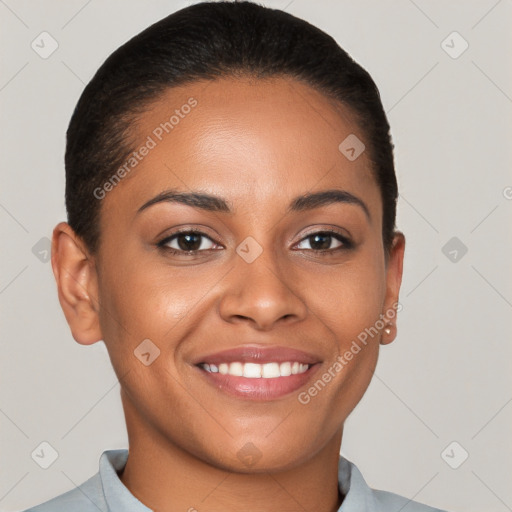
<point>249,275</point>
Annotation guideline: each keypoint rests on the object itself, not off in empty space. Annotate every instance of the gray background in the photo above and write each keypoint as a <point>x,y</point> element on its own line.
<point>447,377</point>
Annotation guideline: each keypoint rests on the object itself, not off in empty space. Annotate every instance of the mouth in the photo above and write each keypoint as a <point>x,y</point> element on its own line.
<point>271,370</point>
<point>258,373</point>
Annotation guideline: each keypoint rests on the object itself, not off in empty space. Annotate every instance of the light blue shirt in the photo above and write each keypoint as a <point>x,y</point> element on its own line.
<point>106,493</point>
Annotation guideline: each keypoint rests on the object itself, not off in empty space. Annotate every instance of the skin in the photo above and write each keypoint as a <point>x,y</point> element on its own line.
<point>272,141</point>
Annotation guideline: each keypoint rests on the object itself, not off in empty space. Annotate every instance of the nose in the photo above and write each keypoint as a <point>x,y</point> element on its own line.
<point>262,293</point>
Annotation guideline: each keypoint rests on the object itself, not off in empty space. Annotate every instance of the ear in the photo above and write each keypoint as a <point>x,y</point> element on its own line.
<point>77,284</point>
<point>394,269</point>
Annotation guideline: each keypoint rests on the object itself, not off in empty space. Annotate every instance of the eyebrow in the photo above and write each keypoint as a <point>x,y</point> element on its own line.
<point>214,203</point>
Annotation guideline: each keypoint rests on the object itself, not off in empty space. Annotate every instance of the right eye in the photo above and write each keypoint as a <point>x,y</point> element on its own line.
<point>186,242</point>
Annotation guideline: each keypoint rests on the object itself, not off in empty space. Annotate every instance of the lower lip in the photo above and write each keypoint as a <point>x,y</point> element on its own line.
<point>259,389</point>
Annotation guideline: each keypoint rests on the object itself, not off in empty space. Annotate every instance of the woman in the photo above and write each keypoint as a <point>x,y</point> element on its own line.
<point>231,200</point>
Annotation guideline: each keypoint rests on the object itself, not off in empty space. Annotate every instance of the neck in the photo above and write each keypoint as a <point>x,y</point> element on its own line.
<point>166,478</point>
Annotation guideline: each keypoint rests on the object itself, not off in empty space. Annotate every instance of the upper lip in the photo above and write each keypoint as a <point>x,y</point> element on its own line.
<point>258,354</point>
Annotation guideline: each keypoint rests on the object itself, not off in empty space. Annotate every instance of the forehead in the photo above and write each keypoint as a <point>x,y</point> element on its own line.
<point>266,140</point>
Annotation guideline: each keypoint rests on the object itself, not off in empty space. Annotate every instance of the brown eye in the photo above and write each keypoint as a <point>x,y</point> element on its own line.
<point>187,241</point>
<point>322,241</point>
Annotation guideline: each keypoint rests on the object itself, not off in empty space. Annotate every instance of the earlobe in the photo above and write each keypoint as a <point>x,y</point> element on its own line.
<point>394,272</point>
<point>77,286</point>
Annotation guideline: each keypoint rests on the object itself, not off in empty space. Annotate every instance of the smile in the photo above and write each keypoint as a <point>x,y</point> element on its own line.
<point>270,370</point>
<point>256,372</point>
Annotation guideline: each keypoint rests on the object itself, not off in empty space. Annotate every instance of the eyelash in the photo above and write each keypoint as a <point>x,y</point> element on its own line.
<point>347,244</point>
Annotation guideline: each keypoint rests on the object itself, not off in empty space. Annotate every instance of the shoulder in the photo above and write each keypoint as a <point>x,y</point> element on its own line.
<point>388,501</point>
<point>359,496</point>
<point>87,497</point>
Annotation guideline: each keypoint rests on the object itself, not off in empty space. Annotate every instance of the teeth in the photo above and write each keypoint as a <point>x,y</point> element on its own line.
<point>236,369</point>
<point>257,371</point>
<point>285,369</point>
<point>270,371</point>
<point>251,370</point>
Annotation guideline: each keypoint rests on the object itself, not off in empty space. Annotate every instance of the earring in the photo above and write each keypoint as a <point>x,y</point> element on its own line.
<point>387,330</point>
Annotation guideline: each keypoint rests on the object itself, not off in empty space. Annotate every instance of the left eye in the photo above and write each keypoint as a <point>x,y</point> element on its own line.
<point>321,241</point>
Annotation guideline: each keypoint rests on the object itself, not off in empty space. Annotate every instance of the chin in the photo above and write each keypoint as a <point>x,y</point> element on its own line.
<point>255,457</point>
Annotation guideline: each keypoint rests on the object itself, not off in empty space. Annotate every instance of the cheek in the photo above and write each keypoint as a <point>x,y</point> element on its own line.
<point>141,301</point>
<point>349,298</point>
<point>348,302</point>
